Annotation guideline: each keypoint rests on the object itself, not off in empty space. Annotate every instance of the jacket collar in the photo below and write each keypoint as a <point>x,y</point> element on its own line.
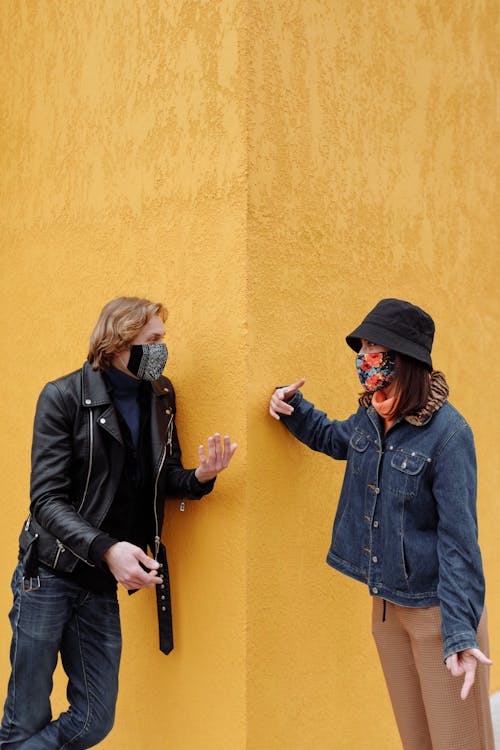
<point>94,390</point>
<point>437,397</point>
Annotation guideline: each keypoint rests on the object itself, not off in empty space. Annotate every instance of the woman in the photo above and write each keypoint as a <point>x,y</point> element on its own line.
<point>406,526</point>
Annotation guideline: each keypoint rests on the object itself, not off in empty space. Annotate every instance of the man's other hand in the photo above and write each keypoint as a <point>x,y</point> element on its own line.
<point>124,561</point>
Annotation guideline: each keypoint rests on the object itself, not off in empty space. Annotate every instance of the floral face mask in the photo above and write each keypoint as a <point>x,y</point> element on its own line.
<point>376,370</point>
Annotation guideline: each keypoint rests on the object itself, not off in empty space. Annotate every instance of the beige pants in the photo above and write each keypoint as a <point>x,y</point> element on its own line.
<point>425,697</point>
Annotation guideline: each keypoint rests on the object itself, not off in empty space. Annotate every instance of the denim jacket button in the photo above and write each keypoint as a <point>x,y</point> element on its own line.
<point>374,558</point>
<point>375,524</point>
<point>375,590</point>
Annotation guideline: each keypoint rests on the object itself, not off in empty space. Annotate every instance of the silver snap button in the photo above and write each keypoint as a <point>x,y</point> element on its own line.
<point>102,420</point>
<point>375,590</point>
<point>374,558</point>
<point>375,524</point>
<point>88,401</point>
<point>413,453</point>
<point>163,609</point>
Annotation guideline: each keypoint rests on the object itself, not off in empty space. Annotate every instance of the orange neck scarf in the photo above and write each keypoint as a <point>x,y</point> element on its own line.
<point>384,407</point>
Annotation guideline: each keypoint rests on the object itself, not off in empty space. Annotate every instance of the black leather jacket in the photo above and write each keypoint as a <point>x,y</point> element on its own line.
<point>77,461</point>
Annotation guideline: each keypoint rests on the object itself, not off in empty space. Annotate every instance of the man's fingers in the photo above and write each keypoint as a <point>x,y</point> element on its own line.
<point>147,561</point>
<point>229,449</point>
<point>220,453</point>
<point>211,450</point>
<point>218,450</point>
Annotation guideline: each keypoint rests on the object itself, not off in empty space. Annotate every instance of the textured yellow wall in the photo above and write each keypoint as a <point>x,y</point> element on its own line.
<point>123,172</point>
<point>268,169</point>
<point>371,173</point>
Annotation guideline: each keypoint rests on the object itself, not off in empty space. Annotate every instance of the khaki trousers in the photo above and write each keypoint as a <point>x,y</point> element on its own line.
<point>425,697</point>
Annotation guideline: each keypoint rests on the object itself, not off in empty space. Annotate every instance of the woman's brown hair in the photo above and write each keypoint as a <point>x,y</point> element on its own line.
<point>412,386</point>
<point>118,324</point>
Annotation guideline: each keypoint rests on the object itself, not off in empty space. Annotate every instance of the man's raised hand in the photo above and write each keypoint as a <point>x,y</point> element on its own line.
<point>216,459</point>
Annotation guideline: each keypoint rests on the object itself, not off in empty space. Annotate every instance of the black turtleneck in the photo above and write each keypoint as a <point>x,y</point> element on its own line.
<point>130,516</point>
<point>126,392</point>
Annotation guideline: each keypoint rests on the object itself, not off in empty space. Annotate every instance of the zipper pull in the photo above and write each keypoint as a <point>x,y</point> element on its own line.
<point>182,506</point>
<point>27,524</point>
<point>170,431</point>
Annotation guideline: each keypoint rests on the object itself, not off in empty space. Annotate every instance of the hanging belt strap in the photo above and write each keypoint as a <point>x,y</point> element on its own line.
<point>164,604</point>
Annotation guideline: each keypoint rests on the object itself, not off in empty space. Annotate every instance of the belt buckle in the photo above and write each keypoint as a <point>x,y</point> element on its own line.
<point>31,584</point>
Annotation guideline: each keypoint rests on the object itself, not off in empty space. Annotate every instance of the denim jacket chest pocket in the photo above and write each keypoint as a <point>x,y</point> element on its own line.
<point>407,471</point>
<point>358,445</point>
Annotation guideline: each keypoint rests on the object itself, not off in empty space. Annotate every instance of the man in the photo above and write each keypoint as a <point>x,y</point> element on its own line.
<point>105,455</point>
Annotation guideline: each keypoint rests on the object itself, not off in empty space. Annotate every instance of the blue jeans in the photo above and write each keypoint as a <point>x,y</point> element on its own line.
<point>61,617</point>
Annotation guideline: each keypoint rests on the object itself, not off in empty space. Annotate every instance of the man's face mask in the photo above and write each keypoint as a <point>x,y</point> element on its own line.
<point>147,361</point>
<point>376,370</point>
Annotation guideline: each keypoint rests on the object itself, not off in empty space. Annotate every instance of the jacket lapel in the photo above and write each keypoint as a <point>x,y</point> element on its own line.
<point>159,421</point>
<point>95,393</point>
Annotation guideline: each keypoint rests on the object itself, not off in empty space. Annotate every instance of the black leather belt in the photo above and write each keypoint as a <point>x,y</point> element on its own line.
<point>163,604</point>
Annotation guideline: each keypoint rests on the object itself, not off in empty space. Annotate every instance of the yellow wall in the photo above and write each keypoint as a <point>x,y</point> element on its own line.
<point>123,171</point>
<point>371,172</point>
<point>269,169</point>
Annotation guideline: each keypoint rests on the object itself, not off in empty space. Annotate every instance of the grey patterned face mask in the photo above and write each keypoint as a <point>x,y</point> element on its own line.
<point>147,361</point>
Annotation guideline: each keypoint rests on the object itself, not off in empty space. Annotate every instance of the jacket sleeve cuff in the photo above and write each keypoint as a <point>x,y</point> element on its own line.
<point>199,489</point>
<point>459,642</point>
<point>99,546</point>
<point>294,402</point>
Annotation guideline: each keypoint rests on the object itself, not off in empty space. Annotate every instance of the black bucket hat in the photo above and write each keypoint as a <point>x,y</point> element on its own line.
<point>400,326</point>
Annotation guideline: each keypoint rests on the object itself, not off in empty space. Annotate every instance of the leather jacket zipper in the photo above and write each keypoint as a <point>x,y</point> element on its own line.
<point>91,450</point>
<point>62,548</point>
<point>170,432</point>
<point>157,530</point>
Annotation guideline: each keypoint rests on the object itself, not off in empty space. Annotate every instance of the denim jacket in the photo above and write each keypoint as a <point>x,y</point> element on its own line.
<point>406,519</point>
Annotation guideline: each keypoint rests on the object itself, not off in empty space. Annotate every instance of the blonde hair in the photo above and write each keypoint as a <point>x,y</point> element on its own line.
<point>119,323</point>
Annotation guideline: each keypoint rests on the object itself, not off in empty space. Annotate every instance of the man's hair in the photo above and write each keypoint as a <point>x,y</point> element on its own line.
<point>119,323</point>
